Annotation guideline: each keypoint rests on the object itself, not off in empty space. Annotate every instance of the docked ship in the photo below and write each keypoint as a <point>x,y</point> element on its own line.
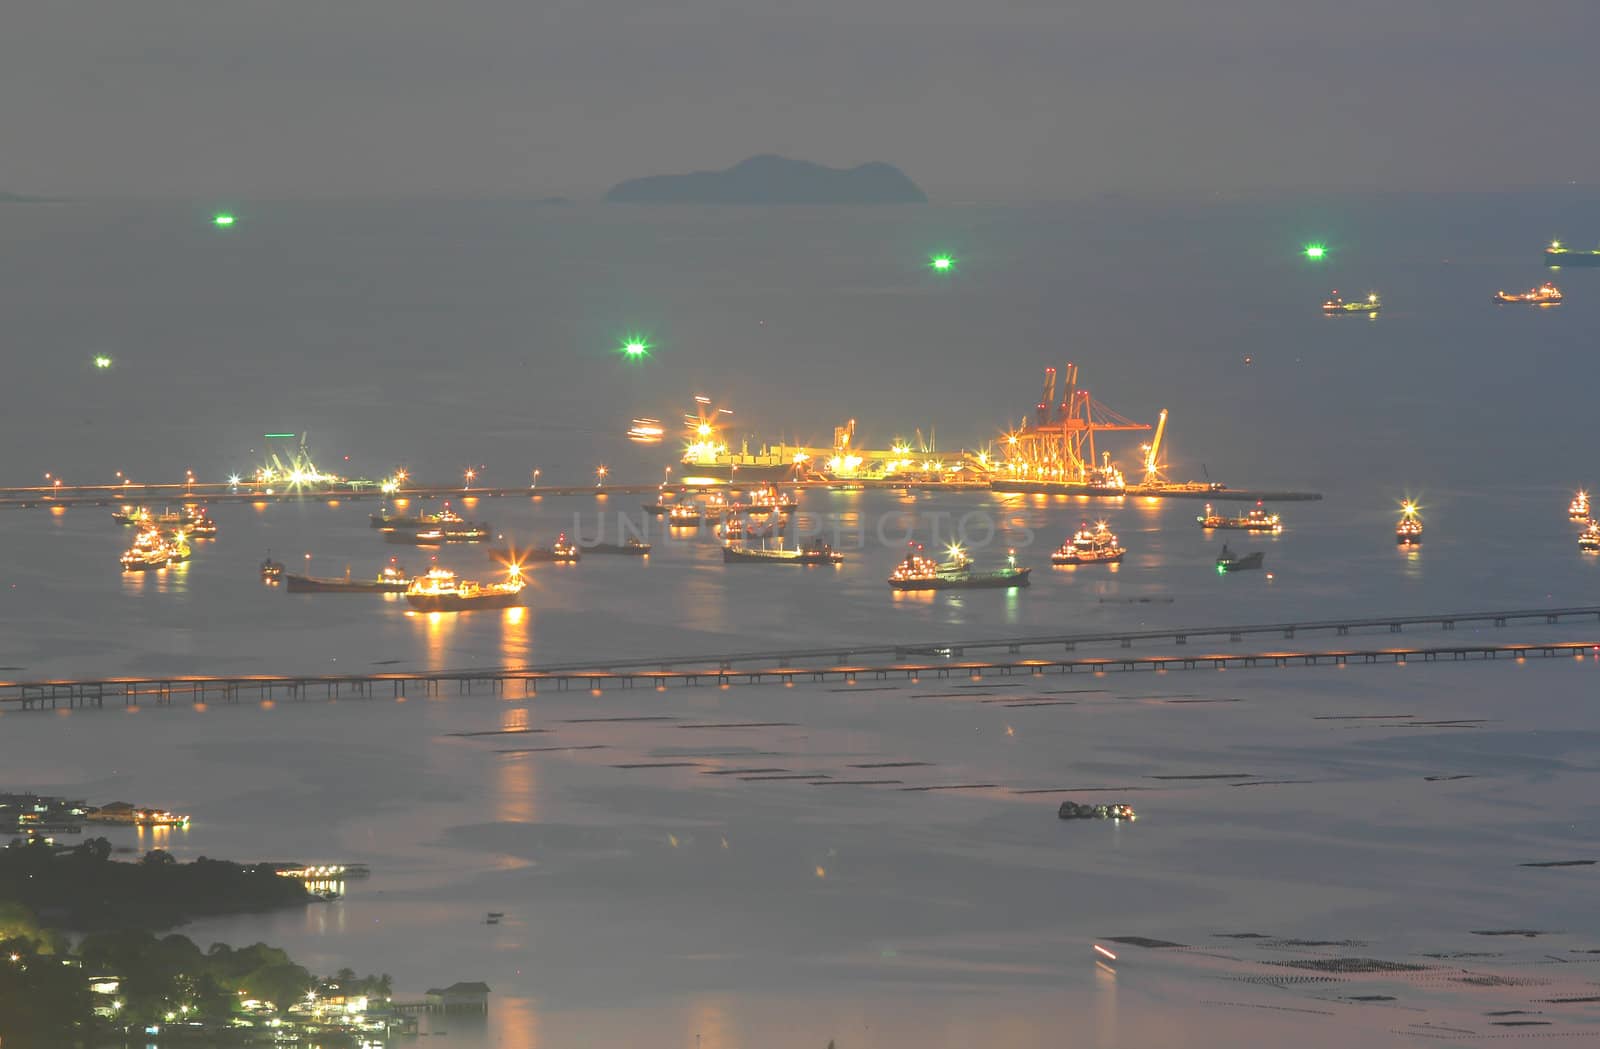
<point>1106,479</point>
<point>149,551</point>
<point>1228,561</point>
<point>634,547</point>
<point>392,580</point>
<point>923,573</point>
<point>1546,294</point>
<point>441,591</point>
<point>1257,520</point>
<point>816,552</point>
<point>1408,530</point>
<point>1097,545</point>
<point>1556,255</point>
<point>1578,509</point>
<point>1335,305</point>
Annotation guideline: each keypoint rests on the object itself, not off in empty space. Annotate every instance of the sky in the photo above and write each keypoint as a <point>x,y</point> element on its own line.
<point>999,100</point>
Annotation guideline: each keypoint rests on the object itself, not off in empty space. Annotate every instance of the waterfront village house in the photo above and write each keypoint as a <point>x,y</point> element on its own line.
<point>116,812</point>
<point>474,995</point>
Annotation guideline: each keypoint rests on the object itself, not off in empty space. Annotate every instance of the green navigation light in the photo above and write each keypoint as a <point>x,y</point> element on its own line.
<point>276,436</point>
<point>942,263</point>
<point>635,347</point>
<point>101,361</point>
<point>1315,251</point>
<point>222,218</point>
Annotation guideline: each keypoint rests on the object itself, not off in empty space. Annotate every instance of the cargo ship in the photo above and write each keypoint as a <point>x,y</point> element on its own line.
<point>1408,530</point>
<point>392,580</point>
<point>441,591</point>
<point>1546,294</point>
<point>634,547</point>
<point>1228,561</point>
<point>1335,305</point>
<point>1578,509</point>
<point>446,526</point>
<point>815,552</point>
<point>1097,545</point>
<point>923,573</point>
<point>1257,520</point>
<point>1556,255</point>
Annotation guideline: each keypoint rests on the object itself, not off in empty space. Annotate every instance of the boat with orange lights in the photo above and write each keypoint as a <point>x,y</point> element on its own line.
<point>446,526</point>
<point>1408,530</point>
<point>1589,538</point>
<point>1546,294</point>
<point>1097,545</point>
<point>392,580</point>
<point>560,550</point>
<point>1578,509</point>
<point>1257,520</point>
<point>815,552</point>
<point>1335,305</point>
<point>684,515</point>
<point>178,549</point>
<point>441,591</point>
<point>917,572</point>
<point>271,571</point>
<point>149,551</point>
<point>202,525</point>
<point>130,516</point>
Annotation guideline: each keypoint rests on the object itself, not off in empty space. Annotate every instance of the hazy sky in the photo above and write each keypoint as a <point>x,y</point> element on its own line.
<point>1005,99</point>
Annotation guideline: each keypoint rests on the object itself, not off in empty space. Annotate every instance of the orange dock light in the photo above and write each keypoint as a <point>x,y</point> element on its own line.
<point>1104,953</point>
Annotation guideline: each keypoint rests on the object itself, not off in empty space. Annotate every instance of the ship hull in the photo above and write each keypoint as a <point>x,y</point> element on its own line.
<point>1571,258</point>
<point>778,557</point>
<point>301,584</point>
<point>639,550</point>
<point>753,472</point>
<point>1241,564</point>
<point>457,603</point>
<point>1001,580</point>
<point>1090,559</point>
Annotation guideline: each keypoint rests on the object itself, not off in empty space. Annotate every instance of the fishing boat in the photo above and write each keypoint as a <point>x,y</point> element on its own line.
<point>1097,545</point>
<point>149,551</point>
<point>441,591</point>
<point>1578,509</point>
<point>1408,530</point>
<point>816,552</point>
<point>1228,561</point>
<point>271,571</point>
<point>923,573</point>
<point>1546,294</point>
<point>1257,520</point>
<point>634,547</point>
<point>1589,538</point>
<point>1336,306</point>
<point>392,580</point>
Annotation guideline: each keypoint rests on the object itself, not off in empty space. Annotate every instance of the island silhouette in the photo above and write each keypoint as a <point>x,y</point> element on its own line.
<point>771,179</point>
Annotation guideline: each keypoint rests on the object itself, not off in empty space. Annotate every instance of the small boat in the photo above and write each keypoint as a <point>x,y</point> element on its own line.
<point>1589,538</point>
<point>271,571</point>
<point>201,525</point>
<point>562,550</point>
<point>1096,545</point>
<point>1546,294</point>
<point>1072,810</point>
<point>816,552</point>
<point>1408,530</point>
<point>1578,509</point>
<point>441,591</point>
<point>1337,306</point>
<point>1556,255</point>
<point>392,580</point>
<point>1257,520</point>
<point>923,573</point>
<point>1228,561</point>
<point>634,547</point>
<point>684,515</point>
<point>149,551</point>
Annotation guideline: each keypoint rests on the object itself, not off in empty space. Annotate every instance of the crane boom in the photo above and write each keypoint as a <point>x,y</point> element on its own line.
<point>1152,459</point>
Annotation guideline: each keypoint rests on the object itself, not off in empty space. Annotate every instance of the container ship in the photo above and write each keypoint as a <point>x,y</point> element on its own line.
<point>815,552</point>
<point>441,591</point>
<point>923,573</point>
<point>1546,294</point>
<point>392,580</point>
<point>1557,255</point>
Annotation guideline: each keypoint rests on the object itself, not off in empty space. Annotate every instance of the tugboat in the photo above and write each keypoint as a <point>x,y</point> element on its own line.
<point>441,591</point>
<point>1589,539</point>
<point>1556,255</point>
<point>1072,810</point>
<point>633,546</point>
<point>1546,294</point>
<point>1578,509</point>
<point>1336,306</point>
<point>923,573</point>
<point>149,551</point>
<point>684,515</point>
<point>392,580</point>
<point>1257,520</point>
<point>1228,561</point>
<point>816,552</point>
<point>271,571</point>
<point>1089,546</point>
<point>1408,530</point>
<point>202,526</point>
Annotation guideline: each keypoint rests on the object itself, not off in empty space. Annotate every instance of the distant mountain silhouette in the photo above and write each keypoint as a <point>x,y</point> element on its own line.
<point>771,179</point>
